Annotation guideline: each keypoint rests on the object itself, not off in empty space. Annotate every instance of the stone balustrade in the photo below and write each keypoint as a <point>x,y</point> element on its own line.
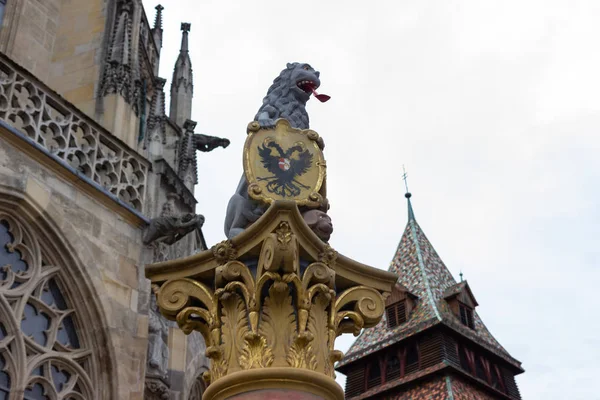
<point>69,135</point>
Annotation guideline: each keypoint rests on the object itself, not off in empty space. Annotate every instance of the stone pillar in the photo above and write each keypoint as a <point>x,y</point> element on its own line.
<point>270,303</point>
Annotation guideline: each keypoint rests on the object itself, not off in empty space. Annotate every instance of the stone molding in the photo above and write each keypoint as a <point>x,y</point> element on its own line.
<point>300,380</point>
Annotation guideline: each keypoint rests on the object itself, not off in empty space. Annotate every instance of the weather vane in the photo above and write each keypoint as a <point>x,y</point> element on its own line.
<point>405,178</point>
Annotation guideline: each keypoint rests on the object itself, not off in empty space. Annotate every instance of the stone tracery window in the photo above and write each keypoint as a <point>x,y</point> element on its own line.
<point>43,354</point>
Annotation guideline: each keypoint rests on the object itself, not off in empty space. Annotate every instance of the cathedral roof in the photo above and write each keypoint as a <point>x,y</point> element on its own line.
<point>423,273</point>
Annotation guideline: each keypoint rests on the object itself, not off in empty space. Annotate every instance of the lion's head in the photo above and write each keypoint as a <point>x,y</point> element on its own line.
<point>287,96</point>
<point>298,79</point>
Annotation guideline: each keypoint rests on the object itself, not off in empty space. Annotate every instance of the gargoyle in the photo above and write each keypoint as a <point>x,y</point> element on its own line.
<point>170,227</point>
<point>207,143</point>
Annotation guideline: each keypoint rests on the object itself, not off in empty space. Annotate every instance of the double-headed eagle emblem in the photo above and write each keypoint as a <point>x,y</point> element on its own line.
<point>285,167</point>
<point>284,163</point>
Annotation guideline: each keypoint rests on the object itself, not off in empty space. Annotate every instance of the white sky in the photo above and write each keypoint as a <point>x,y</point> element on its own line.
<point>494,108</point>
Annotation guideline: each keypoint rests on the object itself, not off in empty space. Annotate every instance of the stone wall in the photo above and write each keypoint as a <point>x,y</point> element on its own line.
<point>112,253</point>
<point>108,247</point>
<point>60,42</point>
<point>77,55</point>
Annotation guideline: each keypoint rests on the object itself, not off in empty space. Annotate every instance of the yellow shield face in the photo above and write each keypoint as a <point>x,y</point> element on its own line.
<point>284,164</point>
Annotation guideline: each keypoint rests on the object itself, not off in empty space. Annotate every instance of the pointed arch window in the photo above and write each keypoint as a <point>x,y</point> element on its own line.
<point>43,352</point>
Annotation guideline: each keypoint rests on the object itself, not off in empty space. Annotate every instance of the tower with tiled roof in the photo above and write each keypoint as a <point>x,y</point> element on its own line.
<point>431,343</point>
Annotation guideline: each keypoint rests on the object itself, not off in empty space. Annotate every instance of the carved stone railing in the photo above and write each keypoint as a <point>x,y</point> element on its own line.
<point>66,133</point>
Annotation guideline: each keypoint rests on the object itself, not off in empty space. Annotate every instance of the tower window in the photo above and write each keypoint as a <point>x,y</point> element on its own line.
<point>497,379</point>
<point>392,368</point>
<point>373,374</point>
<point>480,369</point>
<point>466,315</point>
<point>396,313</point>
<point>412,358</point>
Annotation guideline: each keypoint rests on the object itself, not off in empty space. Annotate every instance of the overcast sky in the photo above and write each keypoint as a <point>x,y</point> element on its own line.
<point>494,108</point>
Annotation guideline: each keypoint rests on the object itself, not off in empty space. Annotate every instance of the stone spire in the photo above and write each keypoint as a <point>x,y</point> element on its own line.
<point>182,87</point>
<point>156,134</point>
<point>157,31</point>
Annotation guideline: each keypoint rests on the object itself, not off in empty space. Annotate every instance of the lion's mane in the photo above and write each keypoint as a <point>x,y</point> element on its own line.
<point>280,98</point>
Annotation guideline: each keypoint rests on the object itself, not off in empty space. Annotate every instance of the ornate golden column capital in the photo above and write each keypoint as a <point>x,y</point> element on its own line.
<point>270,304</point>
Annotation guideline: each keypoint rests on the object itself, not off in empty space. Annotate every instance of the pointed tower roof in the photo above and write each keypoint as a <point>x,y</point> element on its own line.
<point>422,272</point>
<point>157,30</point>
<point>182,84</point>
<point>182,74</point>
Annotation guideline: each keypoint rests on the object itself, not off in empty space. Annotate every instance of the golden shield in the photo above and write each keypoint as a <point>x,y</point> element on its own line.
<point>284,164</point>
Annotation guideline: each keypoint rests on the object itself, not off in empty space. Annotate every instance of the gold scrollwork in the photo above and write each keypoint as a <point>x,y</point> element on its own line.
<point>224,251</point>
<point>176,294</point>
<point>356,308</point>
<point>253,126</point>
<point>267,312</point>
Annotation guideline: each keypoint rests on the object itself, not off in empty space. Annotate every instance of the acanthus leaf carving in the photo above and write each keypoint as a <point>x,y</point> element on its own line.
<point>318,327</point>
<point>234,327</point>
<point>255,353</point>
<point>278,322</point>
<point>301,353</point>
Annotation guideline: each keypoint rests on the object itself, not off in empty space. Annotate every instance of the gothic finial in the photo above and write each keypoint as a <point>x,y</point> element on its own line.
<point>461,276</point>
<point>189,126</point>
<point>158,18</point>
<point>408,195</point>
<point>185,28</point>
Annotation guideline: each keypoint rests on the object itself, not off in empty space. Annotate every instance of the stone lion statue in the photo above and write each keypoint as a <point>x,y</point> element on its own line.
<point>286,98</point>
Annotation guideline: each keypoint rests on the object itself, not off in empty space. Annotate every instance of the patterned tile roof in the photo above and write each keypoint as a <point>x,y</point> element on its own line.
<point>424,274</point>
<point>458,288</point>
<point>455,289</point>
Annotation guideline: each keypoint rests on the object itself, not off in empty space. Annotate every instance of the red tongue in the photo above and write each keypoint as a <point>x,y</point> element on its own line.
<point>321,97</point>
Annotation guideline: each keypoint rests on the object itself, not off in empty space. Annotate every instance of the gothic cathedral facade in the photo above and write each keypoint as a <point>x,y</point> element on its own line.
<point>89,160</point>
